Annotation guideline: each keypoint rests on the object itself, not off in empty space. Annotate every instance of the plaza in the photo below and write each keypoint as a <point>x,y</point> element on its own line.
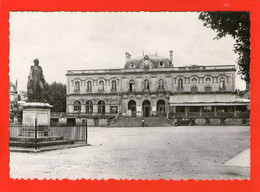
<point>184,152</point>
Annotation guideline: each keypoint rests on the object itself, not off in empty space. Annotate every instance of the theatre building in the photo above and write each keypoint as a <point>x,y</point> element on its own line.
<point>150,86</point>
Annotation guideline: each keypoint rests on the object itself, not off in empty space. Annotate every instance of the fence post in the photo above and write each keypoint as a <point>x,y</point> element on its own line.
<point>86,130</point>
<point>35,138</point>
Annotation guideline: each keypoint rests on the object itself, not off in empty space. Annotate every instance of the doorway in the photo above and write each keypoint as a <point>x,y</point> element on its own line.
<point>161,108</point>
<point>146,108</point>
<point>132,107</point>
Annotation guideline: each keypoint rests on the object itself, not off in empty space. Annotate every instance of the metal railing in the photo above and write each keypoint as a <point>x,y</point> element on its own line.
<point>37,136</point>
<point>82,114</point>
<point>209,114</point>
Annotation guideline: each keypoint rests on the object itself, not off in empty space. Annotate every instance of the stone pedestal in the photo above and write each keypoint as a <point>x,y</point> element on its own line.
<point>41,111</point>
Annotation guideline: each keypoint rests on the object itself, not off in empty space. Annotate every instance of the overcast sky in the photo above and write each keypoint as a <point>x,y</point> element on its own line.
<point>89,40</point>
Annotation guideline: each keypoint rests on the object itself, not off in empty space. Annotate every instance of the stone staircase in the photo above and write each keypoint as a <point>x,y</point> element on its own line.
<point>137,122</point>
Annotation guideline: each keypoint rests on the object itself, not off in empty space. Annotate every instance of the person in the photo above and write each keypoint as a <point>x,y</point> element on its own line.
<point>36,82</point>
<point>142,122</point>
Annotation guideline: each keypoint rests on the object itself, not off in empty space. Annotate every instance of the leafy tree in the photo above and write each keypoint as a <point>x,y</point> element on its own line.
<point>22,96</point>
<point>236,24</point>
<point>55,95</point>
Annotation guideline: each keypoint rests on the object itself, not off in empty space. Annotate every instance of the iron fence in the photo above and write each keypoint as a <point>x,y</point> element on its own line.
<point>37,136</point>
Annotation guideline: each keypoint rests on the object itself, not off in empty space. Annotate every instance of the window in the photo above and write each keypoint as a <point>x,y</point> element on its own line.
<point>77,86</point>
<point>207,108</point>
<point>89,107</point>
<point>132,65</point>
<point>208,82</point>
<point>131,86</point>
<point>161,64</point>
<point>161,84</point>
<point>113,109</point>
<point>113,85</point>
<point>146,84</point>
<point>194,82</point>
<point>77,106</point>
<point>180,83</point>
<point>222,84</point>
<point>101,85</point>
<point>101,107</point>
<point>89,86</point>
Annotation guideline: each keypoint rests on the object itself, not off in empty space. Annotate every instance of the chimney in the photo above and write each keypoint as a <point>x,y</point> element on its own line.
<point>127,56</point>
<point>171,56</point>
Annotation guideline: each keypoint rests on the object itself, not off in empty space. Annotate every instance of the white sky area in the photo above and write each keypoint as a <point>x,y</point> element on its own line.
<point>89,40</point>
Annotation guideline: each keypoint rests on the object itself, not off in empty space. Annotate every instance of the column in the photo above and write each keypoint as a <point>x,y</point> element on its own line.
<point>154,108</point>
<point>107,109</point>
<point>95,109</point>
<point>83,108</point>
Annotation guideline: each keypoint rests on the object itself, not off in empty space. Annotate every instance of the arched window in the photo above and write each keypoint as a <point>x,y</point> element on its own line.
<point>180,83</point>
<point>77,106</point>
<point>161,84</point>
<point>77,86</point>
<point>131,86</point>
<point>194,82</point>
<point>89,107</point>
<point>208,82</point>
<point>113,85</point>
<point>222,83</point>
<point>146,84</point>
<point>161,64</point>
<point>89,86</point>
<point>101,85</point>
<point>101,107</point>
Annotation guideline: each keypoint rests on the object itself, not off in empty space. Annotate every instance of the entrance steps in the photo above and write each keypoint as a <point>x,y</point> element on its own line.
<point>137,122</point>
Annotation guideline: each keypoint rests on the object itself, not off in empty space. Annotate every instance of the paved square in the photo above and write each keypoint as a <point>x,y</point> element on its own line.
<point>196,152</point>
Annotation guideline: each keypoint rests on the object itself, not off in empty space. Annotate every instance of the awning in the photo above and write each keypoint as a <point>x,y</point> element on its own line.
<point>207,100</point>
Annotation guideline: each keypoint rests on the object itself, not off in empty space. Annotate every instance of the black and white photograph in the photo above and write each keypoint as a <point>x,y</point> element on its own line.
<point>129,95</point>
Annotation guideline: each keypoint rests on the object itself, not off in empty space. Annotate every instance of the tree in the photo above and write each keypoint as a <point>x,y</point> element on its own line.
<point>22,96</point>
<point>236,24</point>
<point>55,94</point>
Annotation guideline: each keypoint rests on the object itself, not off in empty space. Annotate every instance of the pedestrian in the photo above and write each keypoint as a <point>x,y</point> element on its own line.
<point>142,122</point>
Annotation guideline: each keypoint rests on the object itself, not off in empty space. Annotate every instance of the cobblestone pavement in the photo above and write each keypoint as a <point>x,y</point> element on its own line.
<point>196,152</point>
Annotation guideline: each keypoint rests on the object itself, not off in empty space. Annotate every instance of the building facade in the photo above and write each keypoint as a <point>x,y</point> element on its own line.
<point>13,104</point>
<point>151,86</point>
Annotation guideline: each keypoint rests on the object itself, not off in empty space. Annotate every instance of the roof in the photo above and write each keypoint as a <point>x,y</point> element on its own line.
<point>11,84</point>
<point>154,61</point>
<point>207,99</point>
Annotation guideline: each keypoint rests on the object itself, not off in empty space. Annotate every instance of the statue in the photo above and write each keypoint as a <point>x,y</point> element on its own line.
<point>36,83</point>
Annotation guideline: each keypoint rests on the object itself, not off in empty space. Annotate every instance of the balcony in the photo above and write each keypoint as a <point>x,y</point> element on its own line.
<point>131,91</point>
<point>222,88</point>
<point>146,90</point>
<point>101,90</point>
<point>180,89</point>
<point>208,89</point>
<point>160,90</point>
<point>113,91</point>
<point>76,91</point>
<point>194,89</point>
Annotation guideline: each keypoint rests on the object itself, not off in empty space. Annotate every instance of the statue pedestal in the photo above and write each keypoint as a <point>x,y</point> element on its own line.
<point>41,111</point>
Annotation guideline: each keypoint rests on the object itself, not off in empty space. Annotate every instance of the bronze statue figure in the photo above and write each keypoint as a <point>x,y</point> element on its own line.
<point>36,83</point>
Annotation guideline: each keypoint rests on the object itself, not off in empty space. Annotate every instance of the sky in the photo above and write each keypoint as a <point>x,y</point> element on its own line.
<point>89,40</point>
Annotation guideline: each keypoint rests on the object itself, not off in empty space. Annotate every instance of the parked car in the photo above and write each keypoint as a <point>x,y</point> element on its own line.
<point>184,121</point>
